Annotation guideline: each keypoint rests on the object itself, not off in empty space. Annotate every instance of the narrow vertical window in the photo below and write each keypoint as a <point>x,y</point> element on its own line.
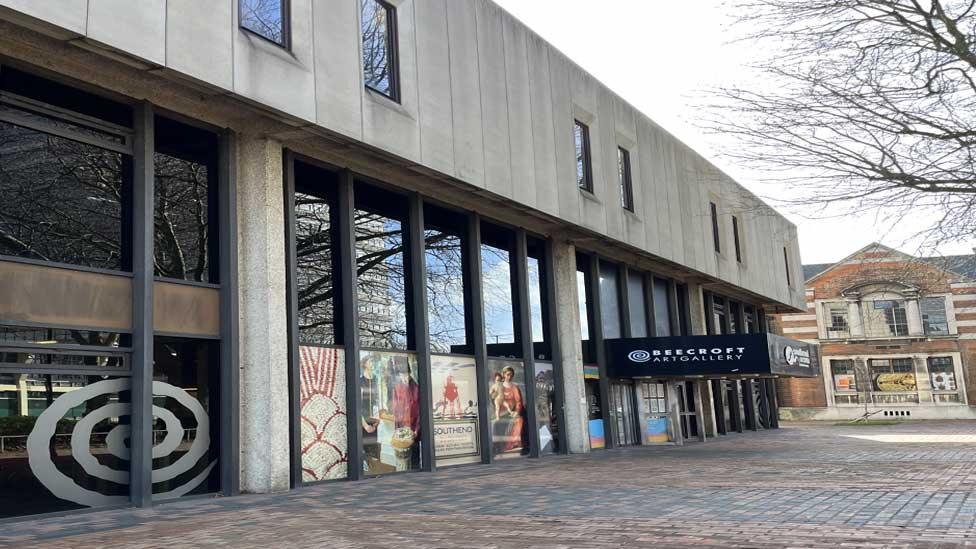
<point>786,261</point>
<point>584,172</point>
<point>379,48</point>
<point>735,239</point>
<point>715,232</point>
<point>626,184</point>
<point>266,18</point>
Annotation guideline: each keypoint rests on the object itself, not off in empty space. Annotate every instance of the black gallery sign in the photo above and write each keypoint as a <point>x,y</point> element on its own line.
<point>713,355</point>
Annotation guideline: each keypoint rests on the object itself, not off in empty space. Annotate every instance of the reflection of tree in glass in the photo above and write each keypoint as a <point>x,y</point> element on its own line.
<point>181,237</point>
<point>497,288</point>
<point>314,257</point>
<point>264,17</point>
<point>376,54</point>
<point>61,199</point>
<point>445,291</point>
<point>382,281</point>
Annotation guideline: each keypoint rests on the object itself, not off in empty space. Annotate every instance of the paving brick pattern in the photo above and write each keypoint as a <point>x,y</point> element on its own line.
<point>801,486</point>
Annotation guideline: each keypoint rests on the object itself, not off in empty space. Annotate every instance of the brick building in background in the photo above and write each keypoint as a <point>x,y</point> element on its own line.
<point>897,337</point>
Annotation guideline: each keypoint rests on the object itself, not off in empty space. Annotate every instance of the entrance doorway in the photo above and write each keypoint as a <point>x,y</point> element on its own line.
<point>624,413</point>
<point>686,409</point>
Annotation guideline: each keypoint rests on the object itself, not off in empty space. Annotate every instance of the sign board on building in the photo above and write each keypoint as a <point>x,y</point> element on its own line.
<point>712,355</point>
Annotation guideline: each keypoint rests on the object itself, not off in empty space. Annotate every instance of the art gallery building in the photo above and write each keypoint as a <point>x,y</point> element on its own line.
<point>251,245</point>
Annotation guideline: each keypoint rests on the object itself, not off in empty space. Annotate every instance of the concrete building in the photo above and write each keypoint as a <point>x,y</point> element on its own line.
<point>236,222</point>
<point>897,337</point>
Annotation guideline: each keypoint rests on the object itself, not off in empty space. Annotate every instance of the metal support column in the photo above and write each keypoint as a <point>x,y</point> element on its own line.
<point>421,328</point>
<point>773,403</point>
<point>719,397</point>
<point>749,400</point>
<point>735,405</point>
<point>143,226</point>
<point>230,454</point>
<point>524,314</point>
<point>609,424</point>
<point>473,244</point>
<point>349,280</point>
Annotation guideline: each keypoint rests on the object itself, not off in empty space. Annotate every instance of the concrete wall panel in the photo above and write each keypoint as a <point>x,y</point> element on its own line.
<point>71,15</point>
<point>137,28</point>
<point>434,79</point>
<point>200,40</point>
<point>520,125</point>
<point>545,105</point>
<point>338,78</point>
<point>494,99</point>
<point>469,145</point>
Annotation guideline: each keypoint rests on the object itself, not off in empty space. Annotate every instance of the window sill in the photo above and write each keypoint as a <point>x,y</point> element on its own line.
<point>284,46</point>
<point>380,99</point>
<point>589,195</point>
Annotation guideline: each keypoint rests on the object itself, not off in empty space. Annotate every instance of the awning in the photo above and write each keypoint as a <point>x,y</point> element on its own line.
<point>712,355</point>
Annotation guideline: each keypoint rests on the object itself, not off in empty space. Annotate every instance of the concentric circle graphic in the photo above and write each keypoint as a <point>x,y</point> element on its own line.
<point>639,356</point>
<point>65,487</point>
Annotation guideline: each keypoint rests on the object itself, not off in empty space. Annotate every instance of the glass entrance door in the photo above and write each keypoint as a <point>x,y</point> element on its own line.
<point>625,413</point>
<point>686,409</point>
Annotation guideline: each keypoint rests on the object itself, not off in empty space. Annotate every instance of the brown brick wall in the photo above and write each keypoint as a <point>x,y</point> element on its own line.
<point>801,392</point>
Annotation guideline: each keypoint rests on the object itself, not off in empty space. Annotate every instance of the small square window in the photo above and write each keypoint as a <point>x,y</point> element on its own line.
<point>266,18</point>
<point>584,171</point>
<point>380,57</point>
<point>626,183</point>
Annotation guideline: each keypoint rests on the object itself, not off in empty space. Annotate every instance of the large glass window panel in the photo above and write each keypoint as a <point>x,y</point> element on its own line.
<point>662,308</point>
<point>185,161</point>
<point>506,406</point>
<point>581,140</point>
<point>837,320</point>
<point>545,407</point>
<point>733,317</point>
<point>893,375</point>
<point>843,376</point>
<point>498,287</point>
<point>380,47</point>
<point>933,313</point>
<point>64,446</point>
<point>610,301</point>
<point>390,408</point>
<point>322,407</point>
<point>638,304</point>
<point>62,200</point>
<point>186,417</point>
<point>538,299</point>
<point>316,257</point>
<point>447,305</point>
<point>267,18</point>
<point>885,318</point>
<point>585,306</point>
<point>942,373</point>
<point>382,268</point>
<point>457,437</point>
<point>719,314</point>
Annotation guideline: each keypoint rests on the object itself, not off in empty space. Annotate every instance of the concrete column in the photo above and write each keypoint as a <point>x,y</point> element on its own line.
<point>576,431</point>
<point>264,421</point>
<point>697,311</point>
<point>922,380</point>
<point>914,315</point>
<point>854,320</point>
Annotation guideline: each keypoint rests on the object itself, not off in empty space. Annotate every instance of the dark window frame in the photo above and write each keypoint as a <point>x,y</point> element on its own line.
<point>285,25</point>
<point>392,50</point>
<point>584,157</point>
<point>786,262</point>
<point>716,233</point>
<point>735,239</point>
<point>626,179</point>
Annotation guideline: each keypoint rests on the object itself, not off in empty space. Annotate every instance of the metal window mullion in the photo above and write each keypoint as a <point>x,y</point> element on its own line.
<point>140,440</point>
<point>557,362</point>
<point>473,243</point>
<point>649,305</point>
<point>623,295</point>
<point>346,207</point>
<point>740,317</point>
<point>421,328</point>
<point>609,426</point>
<point>525,332</point>
<point>229,329</point>
<point>294,356</point>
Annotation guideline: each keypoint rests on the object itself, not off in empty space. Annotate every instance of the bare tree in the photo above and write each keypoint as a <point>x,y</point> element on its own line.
<point>866,106</point>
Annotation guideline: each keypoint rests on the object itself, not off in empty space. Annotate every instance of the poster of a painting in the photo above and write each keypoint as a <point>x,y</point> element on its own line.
<point>656,431</point>
<point>506,406</point>
<point>323,413</point>
<point>943,381</point>
<point>390,411</point>
<point>894,383</point>
<point>844,383</point>
<point>545,412</point>
<point>454,381</point>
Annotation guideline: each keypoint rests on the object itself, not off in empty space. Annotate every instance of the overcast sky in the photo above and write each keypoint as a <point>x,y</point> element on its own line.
<point>659,56</point>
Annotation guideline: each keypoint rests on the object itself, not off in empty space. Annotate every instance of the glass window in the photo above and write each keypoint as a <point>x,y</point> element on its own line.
<point>934,315</point>
<point>506,406</point>
<point>390,407</point>
<point>786,262</point>
<point>316,259</point>
<point>733,317</point>
<point>184,211</point>
<point>662,308</point>
<point>381,264</point>
<point>626,183</point>
<point>843,375</point>
<point>942,373</point>
<point>380,48</point>
<point>610,301</point>
<point>62,200</point>
<point>719,315</point>
<point>715,230</point>
<point>545,407</point>
<point>585,306</point>
<point>186,399</point>
<point>446,295</point>
<point>885,318</point>
<point>638,305</point>
<point>498,281</point>
<point>837,325</point>
<point>267,18</point>
<point>750,316</point>
<point>735,239</point>
<point>538,306</point>
<point>892,375</point>
<point>584,172</point>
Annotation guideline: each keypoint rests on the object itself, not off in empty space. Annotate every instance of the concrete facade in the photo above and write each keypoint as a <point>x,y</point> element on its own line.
<point>849,289</point>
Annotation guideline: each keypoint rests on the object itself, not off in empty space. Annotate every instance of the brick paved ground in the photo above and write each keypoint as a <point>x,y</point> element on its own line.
<point>801,486</point>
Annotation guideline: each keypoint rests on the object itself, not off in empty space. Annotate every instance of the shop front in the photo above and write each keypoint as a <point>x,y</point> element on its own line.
<point>690,387</point>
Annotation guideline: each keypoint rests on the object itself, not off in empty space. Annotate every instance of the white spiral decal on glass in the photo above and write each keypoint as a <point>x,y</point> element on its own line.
<point>639,356</point>
<point>65,487</point>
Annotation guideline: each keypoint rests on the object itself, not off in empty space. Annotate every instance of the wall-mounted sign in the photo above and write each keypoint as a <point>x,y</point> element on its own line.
<point>763,354</point>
